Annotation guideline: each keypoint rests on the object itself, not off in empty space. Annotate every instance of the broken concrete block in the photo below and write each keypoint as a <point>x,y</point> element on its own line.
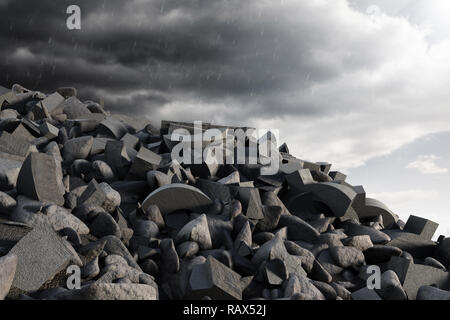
<point>144,161</point>
<point>374,208</point>
<point>432,293</point>
<point>73,108</point>
<point>346,256</point>
<point>51,102</point>
<point>251,202</point>
<point>112,128</point>
<point>8,265</point>
<point>215,280</point>
<point>298,229</point>
<point>41,254</point>
<point>411,243</point>
<point>423,227</point>
<point>40,178</point>
<point>365,294</point>
<point>196,230</point>
<point>77,148</point>
<point>414,276</point>
<point>299,179</point>
<point>112,291</point>
<point>177,196</point>
<point>15,146</point>
<point>391,288</point>
<point>337,176</point>
<point>48,130</point>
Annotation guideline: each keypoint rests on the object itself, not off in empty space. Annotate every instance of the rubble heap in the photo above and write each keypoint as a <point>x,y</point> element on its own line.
<point>83,189</point>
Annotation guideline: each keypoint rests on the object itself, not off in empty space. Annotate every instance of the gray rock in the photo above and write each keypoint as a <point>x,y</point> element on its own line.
<point>365,294</point>
<point>432,293</point>
<point>154,214</point>
<point>175,197</point>
<point>215,280</point>
<point>346,256</point>
<point>77,148</point>
<point>113,291</point>
<point>169,256</point>
<point>379,254</point>
<point>41,255</point>
<point>420,226</point>
<point>413,276</point>
<point>298,229</point>
<point>429,261</point>
<point>196,230</point>
<point>359,242</point>
<point>91,269</point>
<point>7,203</point>
<point>60,218</point>
<point>187,249</point>
<point>146,228</point>
<point>144,161</point>
<point>391,288</point>
<point>104,225</point>
<point>40,178</point>
<point>8,265</point>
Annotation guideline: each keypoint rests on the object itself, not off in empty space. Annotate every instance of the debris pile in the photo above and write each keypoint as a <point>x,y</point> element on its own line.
<point>92,206</point>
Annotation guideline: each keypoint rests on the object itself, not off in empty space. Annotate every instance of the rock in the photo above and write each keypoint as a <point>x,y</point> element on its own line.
<point>391,288</point>
<point>215,280</point>
<point>196,230</point>
<point>104,225</point>
<point>8,265</point>
<point>175,197</point>
<point>113,291</point>
<point>379,254</point>
<point>77,148</point>
<point>412,243</point>
<point>170,260</point>
<point>374,208</point>
<point>48,130</point>
<point>429,261</point>
<point>346,256</point>
<point>144,161</point>
<point>14,146</point>
<point>361,243</point>
<point>60,218</point>
<point>91,269</point>
<point>298,229</point>
<point>40,178</point>
<point>41,255</point>
<point>365,294</point>
<point>413,276</point>
<point>420,226</point>
<point>376,236</point>
<point>154,214</point>
<point>7,203</point>
<point>432,293</point>
<point>187,249</point>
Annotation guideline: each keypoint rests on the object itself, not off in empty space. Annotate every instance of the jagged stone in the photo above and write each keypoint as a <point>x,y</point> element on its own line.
<point>8,265</point>
<point>40,178</point>
<point>215,280</point>
<point>41,255</point>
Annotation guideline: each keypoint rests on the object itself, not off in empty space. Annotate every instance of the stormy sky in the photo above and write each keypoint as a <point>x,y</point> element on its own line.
<point>362,84</point>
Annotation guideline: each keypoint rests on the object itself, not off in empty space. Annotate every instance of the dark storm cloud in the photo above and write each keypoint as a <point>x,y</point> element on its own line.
<point>205,49</point>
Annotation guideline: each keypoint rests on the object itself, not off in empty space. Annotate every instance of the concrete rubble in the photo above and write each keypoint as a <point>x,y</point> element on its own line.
<point>83,188</point>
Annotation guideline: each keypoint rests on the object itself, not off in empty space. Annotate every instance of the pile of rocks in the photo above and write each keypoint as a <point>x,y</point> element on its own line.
<point>84,190</point>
